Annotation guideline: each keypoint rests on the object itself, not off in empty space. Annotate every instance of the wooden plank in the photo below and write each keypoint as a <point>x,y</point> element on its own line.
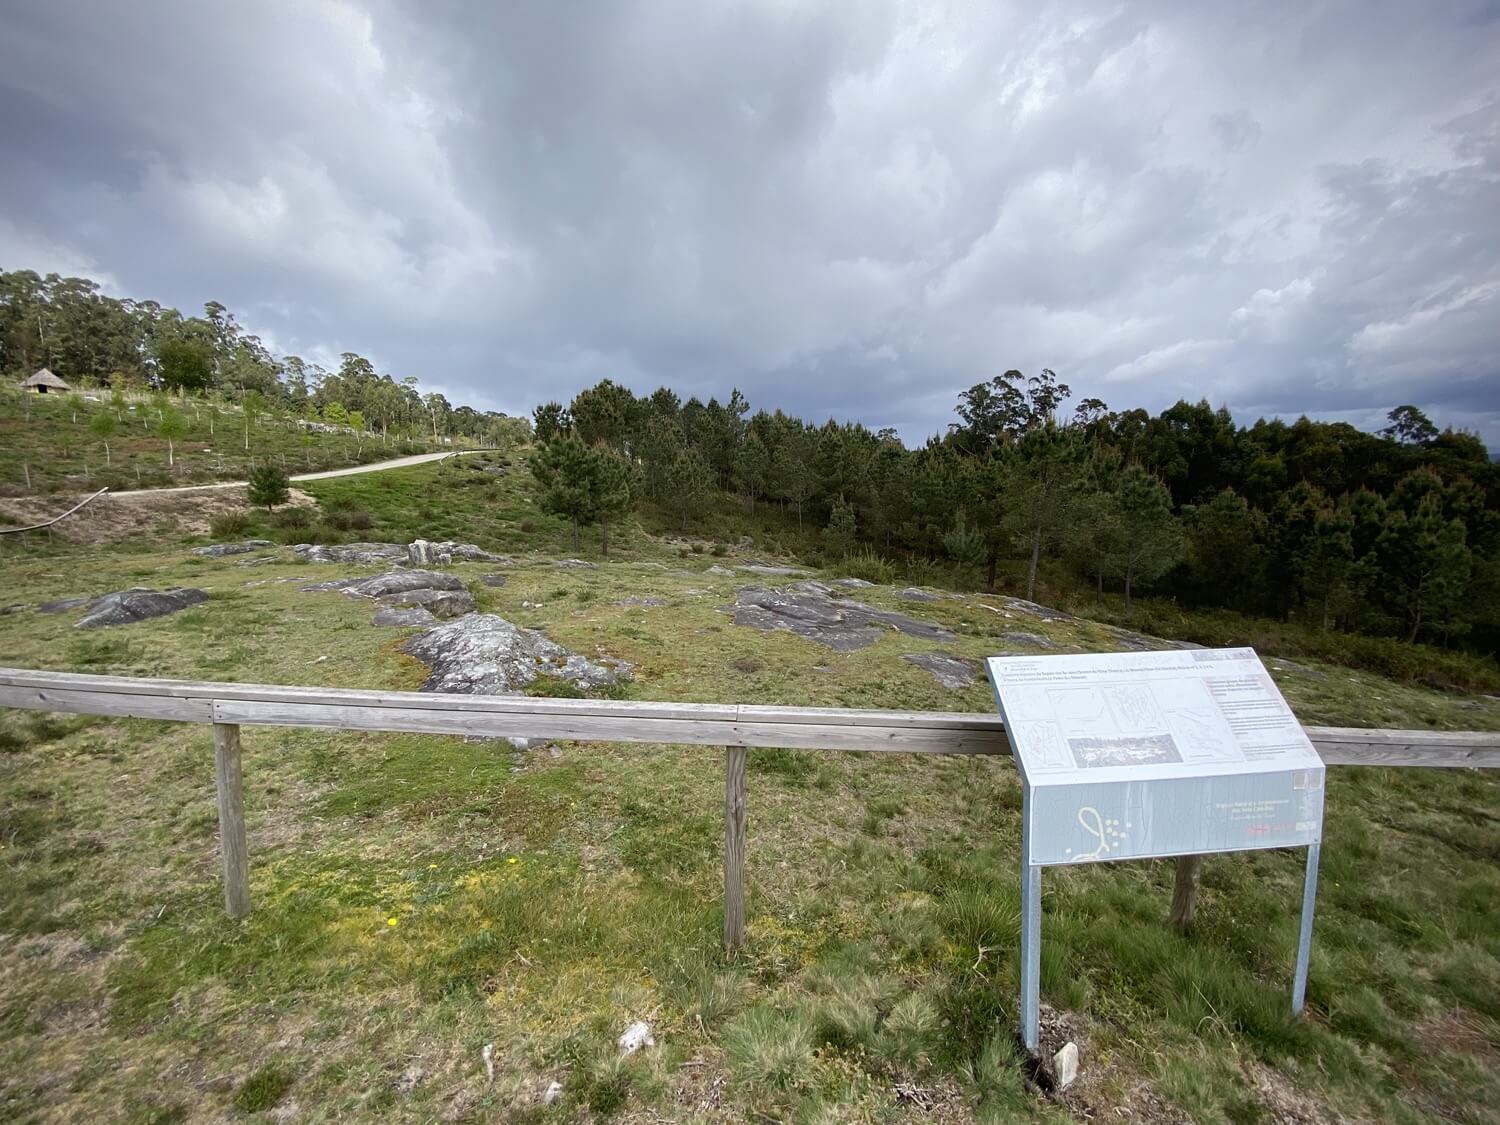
<point>200,689</point>
<point>613,728</point>
<point>232,842</point>
<point>734,849</point>
<point>107,703</point>
<point>1359,746</point>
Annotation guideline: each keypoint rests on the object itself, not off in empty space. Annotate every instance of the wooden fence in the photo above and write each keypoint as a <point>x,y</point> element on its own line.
<point>737,728</point>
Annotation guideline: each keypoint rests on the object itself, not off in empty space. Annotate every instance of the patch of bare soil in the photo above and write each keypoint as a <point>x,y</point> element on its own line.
<point>110,519</point>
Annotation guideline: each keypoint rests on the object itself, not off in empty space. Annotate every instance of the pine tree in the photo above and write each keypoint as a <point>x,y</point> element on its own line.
<point>1150,539</point>
<point>838,536</point>
<point>689,484</point>
<point>268,486</point>
<point>965,545</point>
<point>565,470</point>
<point>614,491</point>
<point>1425,565</point>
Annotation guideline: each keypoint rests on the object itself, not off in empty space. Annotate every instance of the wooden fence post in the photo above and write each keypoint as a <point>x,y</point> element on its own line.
<point>734,850</point>
<point>232,819</point>
<point>1185,891</point>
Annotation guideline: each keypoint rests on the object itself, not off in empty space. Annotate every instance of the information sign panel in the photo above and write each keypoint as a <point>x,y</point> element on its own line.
<point>1144,754</point>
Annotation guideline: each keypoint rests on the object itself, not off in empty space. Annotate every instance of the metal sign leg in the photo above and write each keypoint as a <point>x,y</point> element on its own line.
<point>1031,935</point>
<point>1304,937</point>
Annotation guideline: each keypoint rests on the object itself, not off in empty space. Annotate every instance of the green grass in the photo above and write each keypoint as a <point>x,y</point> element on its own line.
<point>41,440</point>
<point>542,903</point>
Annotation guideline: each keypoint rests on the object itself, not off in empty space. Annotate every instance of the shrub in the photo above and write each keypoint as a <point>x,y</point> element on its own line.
<point>348,516</point>
<point>228,525</point>
<point>869,565</point>
<point>527,526</point>
<point>292,517</point>
<point>719,550</point>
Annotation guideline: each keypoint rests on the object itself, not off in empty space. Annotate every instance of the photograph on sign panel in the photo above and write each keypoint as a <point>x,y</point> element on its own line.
<point>1124,750</point>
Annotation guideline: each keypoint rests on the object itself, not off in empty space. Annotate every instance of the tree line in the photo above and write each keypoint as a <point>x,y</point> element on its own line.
<point>1390,533</point>
<point>70,326</point>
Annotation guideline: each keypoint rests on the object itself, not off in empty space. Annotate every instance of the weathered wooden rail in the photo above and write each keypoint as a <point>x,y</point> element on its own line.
<point>229,706</point>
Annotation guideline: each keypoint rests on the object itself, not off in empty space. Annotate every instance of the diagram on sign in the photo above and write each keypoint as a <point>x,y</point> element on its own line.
<point>1098,751</point>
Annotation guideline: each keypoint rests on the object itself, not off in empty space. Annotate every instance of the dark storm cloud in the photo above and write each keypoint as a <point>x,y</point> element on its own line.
<point>854,210</point>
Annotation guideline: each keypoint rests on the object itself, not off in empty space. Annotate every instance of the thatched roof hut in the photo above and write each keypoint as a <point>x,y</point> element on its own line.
<point>44,381</point>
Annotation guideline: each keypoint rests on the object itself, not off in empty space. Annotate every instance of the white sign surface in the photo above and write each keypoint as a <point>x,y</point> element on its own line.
<point>1157,753</point>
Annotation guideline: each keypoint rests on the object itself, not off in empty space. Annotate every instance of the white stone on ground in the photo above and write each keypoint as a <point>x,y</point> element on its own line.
<point>1065,1065</point>
<point>636,1036</point>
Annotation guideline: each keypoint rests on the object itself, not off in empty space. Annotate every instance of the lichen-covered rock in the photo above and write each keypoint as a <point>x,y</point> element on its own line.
<point>641,602</point>
<point>440,603</point>
<point>807,610</point>
<point>423,552</point>
<point>853,583</point>
<point>950,671</point>
<point>219,550</point>
<point>404,581</point>
<point>484,654</point>
<point>493,580</point>
<point>407,615</point>
<point>1045,612</point>
<point>419,552</point>
<point>575,564</point>
<point>917,594</point>
<point>773,571</point>
<point>442,595</point>
<point>138,604</point>
<point>363,553</point>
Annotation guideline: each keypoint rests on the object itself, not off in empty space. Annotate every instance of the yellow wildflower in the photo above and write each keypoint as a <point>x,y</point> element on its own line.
<point>390,921</point>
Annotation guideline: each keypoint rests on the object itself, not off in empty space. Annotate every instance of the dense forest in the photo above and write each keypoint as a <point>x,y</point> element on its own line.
<point>1395,533</point>
<point>69,326</point>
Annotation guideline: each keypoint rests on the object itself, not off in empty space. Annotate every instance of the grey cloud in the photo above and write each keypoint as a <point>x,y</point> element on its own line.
<point>849,210</point>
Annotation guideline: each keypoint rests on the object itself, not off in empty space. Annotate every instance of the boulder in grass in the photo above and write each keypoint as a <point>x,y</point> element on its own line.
<point>403,581</point>
<point>363,553</point>
<point>950,671</point>
<point>425,552</point>
<point>484,654</point>
<point>404,615</point>
<point>138,604</point>
<point>219,550</point>
<point>441,595</point>
<point>808,610</point>
<point>439,603</point>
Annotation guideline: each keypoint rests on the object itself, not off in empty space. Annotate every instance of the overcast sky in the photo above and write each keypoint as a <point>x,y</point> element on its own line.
<point>851,209</point>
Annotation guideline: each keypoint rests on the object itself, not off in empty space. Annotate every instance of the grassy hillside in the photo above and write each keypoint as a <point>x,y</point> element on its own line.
<point>418,898</point>
<point>47,440</point>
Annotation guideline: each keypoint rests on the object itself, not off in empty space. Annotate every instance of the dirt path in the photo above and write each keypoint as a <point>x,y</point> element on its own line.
<point>354,470</point>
